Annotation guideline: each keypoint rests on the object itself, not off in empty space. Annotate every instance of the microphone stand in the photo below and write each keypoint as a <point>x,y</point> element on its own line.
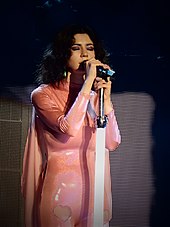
<point>99,164</point>
<point>98,218</point>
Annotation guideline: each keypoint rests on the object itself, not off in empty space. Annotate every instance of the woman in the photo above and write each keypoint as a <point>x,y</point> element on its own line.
<point>58,167</point>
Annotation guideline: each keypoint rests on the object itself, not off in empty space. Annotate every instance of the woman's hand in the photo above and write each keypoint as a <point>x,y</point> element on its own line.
<point>91,73</point>
<point>91,79</point>
<point>106,85</point>
<point>91,67</point>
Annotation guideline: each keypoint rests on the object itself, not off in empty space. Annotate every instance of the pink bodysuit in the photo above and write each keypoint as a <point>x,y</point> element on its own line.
<point>58,167</point>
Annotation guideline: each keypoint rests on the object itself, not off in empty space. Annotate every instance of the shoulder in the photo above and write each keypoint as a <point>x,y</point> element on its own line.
<point>50,89</point>
<point>41,91</point>
<point>41,88</point>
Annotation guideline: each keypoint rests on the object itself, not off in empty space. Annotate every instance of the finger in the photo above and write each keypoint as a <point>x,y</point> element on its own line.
<point>104,82</point>
<point>105,66</point>
<point>104,85</point>
<point>100,80</point>
<point>99,86</point>
<point>108,78</point>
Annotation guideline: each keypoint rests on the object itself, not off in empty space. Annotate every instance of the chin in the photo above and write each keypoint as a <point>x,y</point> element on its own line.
<point>80,71</point>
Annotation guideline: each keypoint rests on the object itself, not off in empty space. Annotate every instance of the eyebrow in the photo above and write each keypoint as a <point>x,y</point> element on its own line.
<point>88,44</point>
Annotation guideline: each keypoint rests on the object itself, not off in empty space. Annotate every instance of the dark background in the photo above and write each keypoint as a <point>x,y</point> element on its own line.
<point>136,33</point>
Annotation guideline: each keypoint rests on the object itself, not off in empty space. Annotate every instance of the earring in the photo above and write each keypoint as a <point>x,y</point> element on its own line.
<point>65,73</point>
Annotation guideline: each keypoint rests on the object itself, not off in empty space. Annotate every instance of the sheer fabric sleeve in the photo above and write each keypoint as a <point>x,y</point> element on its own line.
<point>113,137</point>
<point>52,116</point>
<point>33,165</point>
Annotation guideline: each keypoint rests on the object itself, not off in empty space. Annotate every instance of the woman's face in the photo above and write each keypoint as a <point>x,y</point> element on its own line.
<point>81,50</point>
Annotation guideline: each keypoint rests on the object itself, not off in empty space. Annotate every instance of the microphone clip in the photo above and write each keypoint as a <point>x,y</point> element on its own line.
<point>104,73</point>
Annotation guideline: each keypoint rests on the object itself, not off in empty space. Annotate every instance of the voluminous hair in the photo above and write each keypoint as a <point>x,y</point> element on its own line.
<point>53,65</point>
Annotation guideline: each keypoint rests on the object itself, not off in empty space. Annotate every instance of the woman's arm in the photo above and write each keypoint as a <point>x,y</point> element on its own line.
<point>53,117</point>
<point>113,137</point>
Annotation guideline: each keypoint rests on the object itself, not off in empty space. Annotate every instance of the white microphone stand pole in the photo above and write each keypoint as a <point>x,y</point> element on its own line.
<point>99,165</point>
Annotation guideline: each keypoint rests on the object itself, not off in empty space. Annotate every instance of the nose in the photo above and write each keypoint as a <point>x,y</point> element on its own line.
<point>84,53</point>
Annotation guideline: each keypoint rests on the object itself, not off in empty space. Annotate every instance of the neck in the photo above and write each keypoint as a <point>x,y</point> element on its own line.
<point>75,78</point>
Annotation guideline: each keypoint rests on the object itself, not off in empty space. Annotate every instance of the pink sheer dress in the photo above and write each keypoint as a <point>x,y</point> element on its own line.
<point>58,166</point>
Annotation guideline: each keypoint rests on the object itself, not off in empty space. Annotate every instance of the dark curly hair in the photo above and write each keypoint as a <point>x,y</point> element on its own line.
<point>55,58</point>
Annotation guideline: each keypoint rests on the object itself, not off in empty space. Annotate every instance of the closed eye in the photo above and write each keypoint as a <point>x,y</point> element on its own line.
<point>91,47</point>
<point>75,47</point>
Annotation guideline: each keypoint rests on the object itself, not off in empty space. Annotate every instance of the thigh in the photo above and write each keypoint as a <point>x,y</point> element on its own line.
<point>61,199</point>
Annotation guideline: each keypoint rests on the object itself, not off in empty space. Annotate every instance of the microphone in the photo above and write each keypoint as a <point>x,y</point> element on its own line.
<point>101,72</point>
<point>104,73</point>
